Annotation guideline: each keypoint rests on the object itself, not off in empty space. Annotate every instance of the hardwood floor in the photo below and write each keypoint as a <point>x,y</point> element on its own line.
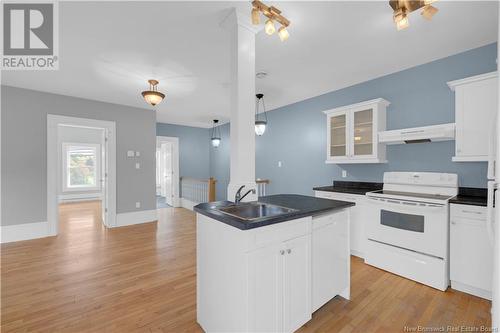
<point>142,278</point>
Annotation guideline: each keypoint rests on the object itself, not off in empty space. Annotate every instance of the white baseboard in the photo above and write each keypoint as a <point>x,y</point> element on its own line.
<point>130,218</point>
<point>357,254</point>
<point>471,290</point>
<point>188,204</point>
<point>19,232</point>
<point>79,197</point>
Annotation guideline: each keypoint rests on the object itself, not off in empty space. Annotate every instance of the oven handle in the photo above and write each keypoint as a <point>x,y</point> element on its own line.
<point>401,203</point>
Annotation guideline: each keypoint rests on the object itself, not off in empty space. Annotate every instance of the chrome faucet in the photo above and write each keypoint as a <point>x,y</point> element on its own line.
<point>238,197</point>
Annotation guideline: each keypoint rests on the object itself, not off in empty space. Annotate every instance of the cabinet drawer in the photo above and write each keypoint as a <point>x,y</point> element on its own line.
<point>329,218</point>
<point>280,232</point>
<point>468,212</point>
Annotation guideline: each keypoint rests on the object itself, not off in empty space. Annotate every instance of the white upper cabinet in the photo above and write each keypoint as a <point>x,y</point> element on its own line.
<point>476,102</point>
<point>352,133</point>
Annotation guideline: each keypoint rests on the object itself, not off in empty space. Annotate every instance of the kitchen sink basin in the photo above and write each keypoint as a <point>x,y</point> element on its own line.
<point>255,210</point>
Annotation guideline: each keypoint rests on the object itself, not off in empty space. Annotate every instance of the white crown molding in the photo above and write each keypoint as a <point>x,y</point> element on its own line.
<point>475,78</point>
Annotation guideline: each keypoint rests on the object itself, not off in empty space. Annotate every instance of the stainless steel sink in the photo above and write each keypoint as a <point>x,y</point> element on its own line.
<point>254,210</point>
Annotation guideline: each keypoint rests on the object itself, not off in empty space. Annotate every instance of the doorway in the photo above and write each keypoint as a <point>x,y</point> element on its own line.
<point>167,172</point>
<point>81,166</point>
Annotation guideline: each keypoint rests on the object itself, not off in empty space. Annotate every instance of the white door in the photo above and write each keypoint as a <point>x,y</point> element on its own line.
<point>168,173</point>
<point>265,286</point>
<point>323,265</point>
<point>104,178</point>
<point>297,283</point>
<point>362,134</point>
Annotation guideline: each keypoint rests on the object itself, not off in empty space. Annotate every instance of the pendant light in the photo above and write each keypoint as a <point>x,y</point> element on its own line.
<point>153,96</point>
<point>215,135</point>
<point>260,124</point>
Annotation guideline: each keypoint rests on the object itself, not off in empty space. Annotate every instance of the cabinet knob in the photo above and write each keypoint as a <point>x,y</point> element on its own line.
<point>282,252</point>
<point>289,251</point>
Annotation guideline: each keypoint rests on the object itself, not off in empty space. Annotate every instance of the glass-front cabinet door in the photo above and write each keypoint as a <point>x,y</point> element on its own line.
<point>338,136</point>
<point>353,133</point>
<point>363,133</point>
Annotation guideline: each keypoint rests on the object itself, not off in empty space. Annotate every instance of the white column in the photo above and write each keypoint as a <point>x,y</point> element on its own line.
<point>242,103</point>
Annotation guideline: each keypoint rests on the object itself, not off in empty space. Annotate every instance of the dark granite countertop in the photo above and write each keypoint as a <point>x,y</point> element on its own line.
<point>350,187</point>
<point>471,196</point>
<point>304,205</point>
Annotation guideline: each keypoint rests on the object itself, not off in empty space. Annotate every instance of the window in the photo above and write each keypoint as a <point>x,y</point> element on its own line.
<point>81,166</point>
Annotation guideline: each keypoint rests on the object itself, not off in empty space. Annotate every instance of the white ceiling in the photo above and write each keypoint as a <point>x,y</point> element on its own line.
<point>108,50</point>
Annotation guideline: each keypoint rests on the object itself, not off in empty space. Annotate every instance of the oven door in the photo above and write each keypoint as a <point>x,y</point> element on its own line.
<point>420,227</point>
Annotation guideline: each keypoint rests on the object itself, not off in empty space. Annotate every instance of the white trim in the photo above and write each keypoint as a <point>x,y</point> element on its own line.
<point>70,197</point>
<point>348,160</point>
<point>26,231</point>
<point>480,158</point>
<point>54,160</point>
<point>475,78</point>
<point>188,204</point>
<point>357,253</point>
<point>176,200</point>
<point>130,218</point>
<point>358,106</point>
<point>471,290</point>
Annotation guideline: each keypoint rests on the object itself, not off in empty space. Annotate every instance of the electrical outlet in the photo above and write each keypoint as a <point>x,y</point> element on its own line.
<point>279,164</point>
<point>137,154</point>
<point>137,204</point>
<point>344,173</point>
<point>138,165</point>
<point>130,153</point>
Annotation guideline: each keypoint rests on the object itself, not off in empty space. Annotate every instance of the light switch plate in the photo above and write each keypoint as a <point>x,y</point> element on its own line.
<point>137,165</point>
<point>344,173</point>
<point>137,204</point>
<point>130,153</point>
<point>137,154</point>
<point>279,164</point>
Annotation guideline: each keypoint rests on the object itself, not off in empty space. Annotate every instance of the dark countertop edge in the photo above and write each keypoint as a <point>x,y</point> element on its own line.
<point>338,189</point>
<point>242,225</point>
<point>471,196</point>
<point>351,187</point>
<point>469,200</point>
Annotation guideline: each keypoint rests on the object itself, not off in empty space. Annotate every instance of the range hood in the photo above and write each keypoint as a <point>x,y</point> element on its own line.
<point>443,132</point>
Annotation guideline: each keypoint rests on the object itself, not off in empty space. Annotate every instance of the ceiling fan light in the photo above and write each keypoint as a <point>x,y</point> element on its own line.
<point>283,33</point>
<point>269,27</point>
<point>260,127</point>
<point>428,12</point>
<point>255,16</point>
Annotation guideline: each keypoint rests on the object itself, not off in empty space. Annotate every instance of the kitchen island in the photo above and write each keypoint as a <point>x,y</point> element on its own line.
<point>268,265</point>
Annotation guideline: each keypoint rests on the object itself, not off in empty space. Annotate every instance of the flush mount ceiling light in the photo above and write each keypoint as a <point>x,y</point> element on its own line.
<point>274,15</point>
<point>260,124</point>
<point>153,96</point>
<point>402,8</point>
<point>215,139</point>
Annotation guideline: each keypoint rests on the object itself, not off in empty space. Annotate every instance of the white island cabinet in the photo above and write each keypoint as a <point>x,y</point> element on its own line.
<point>265,279</point>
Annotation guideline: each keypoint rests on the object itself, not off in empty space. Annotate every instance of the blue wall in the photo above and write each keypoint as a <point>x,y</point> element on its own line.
<point>419,96</point>
<point>194,154</point>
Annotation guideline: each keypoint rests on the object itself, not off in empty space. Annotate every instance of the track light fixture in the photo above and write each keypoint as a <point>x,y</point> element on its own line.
<point>274,15</point>
<point>402,8</point>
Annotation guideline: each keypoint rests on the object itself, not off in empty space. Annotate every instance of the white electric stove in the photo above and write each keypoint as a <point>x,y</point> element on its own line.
<point>410,234</point>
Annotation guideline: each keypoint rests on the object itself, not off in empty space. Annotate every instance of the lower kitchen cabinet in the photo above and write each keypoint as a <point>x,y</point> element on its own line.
<point>471,253</point>
<point>359,214</point>
<point>330,258</point>
<point>280,286</point>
